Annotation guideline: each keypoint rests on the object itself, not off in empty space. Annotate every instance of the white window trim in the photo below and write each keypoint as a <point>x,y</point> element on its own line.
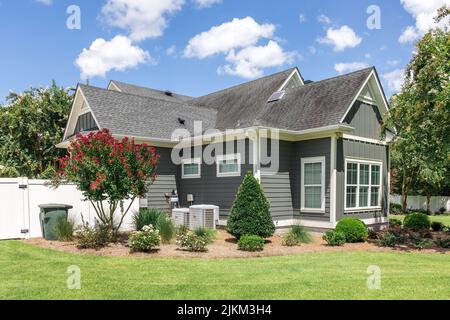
<point>226,157</point>
<point>303,162</point>
<point>380,193</point>
<point>196,161</point>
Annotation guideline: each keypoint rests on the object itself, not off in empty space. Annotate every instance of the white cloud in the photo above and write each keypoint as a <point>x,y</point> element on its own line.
<point>341,38</point>
<point>394,79</point>
<point>45,2</point>
<point>367,56</point>
<point>423,12</point>
<point>392,63</point>
<point>142,19</point>
<point>344,67</point>
<point>249,62</point>
<point>206,3</point>
<point>312,49</point>
<point>323,19</point>
<point>170,51</point>
<point>301,18</point>
<point>103,56</point>
<point>239,33</point>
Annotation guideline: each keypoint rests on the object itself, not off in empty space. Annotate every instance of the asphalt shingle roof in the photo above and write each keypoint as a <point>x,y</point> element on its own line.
<point>144,112</point>
<point>139,116</point>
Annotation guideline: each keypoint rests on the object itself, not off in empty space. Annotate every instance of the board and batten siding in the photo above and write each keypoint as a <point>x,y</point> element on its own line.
<point>360,150</point>
<point>366,120</point>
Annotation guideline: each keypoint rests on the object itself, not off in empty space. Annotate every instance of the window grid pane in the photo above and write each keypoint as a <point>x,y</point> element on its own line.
<point>191,169</point>
<point>363,197</point>
<point>229,166</point>
<point>313,197</point>
<point>364,172</point>
<point>375,175</point>
<point>352,173</point>
<point>374,196</point>
<point>313,174</point>
<point>351,197</point>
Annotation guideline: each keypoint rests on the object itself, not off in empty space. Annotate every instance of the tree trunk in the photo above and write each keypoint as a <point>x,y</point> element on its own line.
<point>404,195</point>
<point>428,204</point>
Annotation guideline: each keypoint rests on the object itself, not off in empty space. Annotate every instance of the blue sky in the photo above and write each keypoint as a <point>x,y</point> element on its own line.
<point>195,47</point>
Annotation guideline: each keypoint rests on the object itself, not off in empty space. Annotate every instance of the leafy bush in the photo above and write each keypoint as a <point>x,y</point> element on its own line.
<point>251,243</point>
<point>64,229</point>
<point>88,237</point>
<point>208,234</point>
<point>290,240</point>
<point>145,240</point>
<point>420,244</point>
<point>395,222</point>
<point>437,226</point>
<point>334,238</point>
<point>395,208</point>
<point>192,242</point>
<point>416,221</point>
<point>388,239</point>
<point>301,234</point>
<point>442,243</point>
<point>182,229</point>
<point>250,212</point>
<point>353,229</point>
<point>442,210</point>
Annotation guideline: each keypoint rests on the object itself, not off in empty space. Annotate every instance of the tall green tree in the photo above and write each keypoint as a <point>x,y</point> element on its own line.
<point>31,124</point>
<point>420,114</point>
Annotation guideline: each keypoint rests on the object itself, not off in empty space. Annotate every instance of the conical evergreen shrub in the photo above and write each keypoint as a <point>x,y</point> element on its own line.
<point>250,213</point>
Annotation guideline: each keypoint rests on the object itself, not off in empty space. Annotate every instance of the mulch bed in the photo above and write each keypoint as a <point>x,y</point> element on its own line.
<point>225,247</point>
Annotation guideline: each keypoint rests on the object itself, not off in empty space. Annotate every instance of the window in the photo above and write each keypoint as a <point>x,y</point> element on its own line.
<point>362,185</point>
<point>191,168</point>
<point>313,184</point>
<point>229,165</point>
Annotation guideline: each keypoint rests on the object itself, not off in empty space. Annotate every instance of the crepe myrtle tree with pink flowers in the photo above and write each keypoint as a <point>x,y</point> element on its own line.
<point>108,172</point>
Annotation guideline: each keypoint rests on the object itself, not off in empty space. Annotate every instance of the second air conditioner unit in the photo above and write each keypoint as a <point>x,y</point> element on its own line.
<point>203,216</point>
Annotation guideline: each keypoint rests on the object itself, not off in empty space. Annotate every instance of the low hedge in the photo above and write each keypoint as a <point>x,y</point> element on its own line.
<point>354,230</point>
<point>417,221</point>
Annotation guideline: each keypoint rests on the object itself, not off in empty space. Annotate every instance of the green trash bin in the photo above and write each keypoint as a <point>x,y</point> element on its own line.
<point>49,215</point>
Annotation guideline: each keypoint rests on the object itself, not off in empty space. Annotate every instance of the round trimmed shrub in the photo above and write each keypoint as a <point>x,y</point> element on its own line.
<point>354,230</point>
<point>251,243</point>
<point>417,221</point>
<point>395,223</point>
<point>250,212</point>
<point>437,226</point>
<point>145,240</point>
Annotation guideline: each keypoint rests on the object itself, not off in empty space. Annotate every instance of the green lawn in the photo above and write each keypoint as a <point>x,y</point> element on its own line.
<point>27,272</point>
<point>444,219</point>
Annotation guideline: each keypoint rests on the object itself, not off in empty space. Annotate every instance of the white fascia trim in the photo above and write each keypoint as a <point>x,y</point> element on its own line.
<point>71,113</point>
<point>112,84</point>
<point>333,178</point>
<point>362,139</point>
<point>302,191</point>
<point>372,74</point>
<point>225,157</point>
<point>295,72</point>
<point>196,161</point>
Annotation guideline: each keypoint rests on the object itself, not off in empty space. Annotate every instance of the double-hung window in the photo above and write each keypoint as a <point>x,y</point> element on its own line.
<point>228,165</point>
<point>313,184</point>
<point>191,168</point>
<point>362,184</point>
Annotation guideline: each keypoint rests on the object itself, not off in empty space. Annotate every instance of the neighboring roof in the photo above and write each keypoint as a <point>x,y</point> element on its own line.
<point>239,106</point>
<point>139,116</point>
<point>148,113</point>
<point>148,92</point>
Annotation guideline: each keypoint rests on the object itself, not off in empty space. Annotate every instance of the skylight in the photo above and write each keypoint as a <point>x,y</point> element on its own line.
<point>278,95</point>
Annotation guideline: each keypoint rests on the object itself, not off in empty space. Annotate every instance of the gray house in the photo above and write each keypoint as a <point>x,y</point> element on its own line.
<point>317,148</point>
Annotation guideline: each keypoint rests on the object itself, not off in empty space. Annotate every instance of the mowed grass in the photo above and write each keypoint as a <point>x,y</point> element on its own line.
<point>445,219</point>
<point>28,272</point>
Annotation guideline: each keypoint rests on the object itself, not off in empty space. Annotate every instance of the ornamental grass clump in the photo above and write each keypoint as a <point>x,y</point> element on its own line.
<point>145,240</point>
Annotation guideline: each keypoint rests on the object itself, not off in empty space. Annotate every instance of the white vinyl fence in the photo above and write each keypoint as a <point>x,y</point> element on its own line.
<point>420,202</point>
<point>19,206</point>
